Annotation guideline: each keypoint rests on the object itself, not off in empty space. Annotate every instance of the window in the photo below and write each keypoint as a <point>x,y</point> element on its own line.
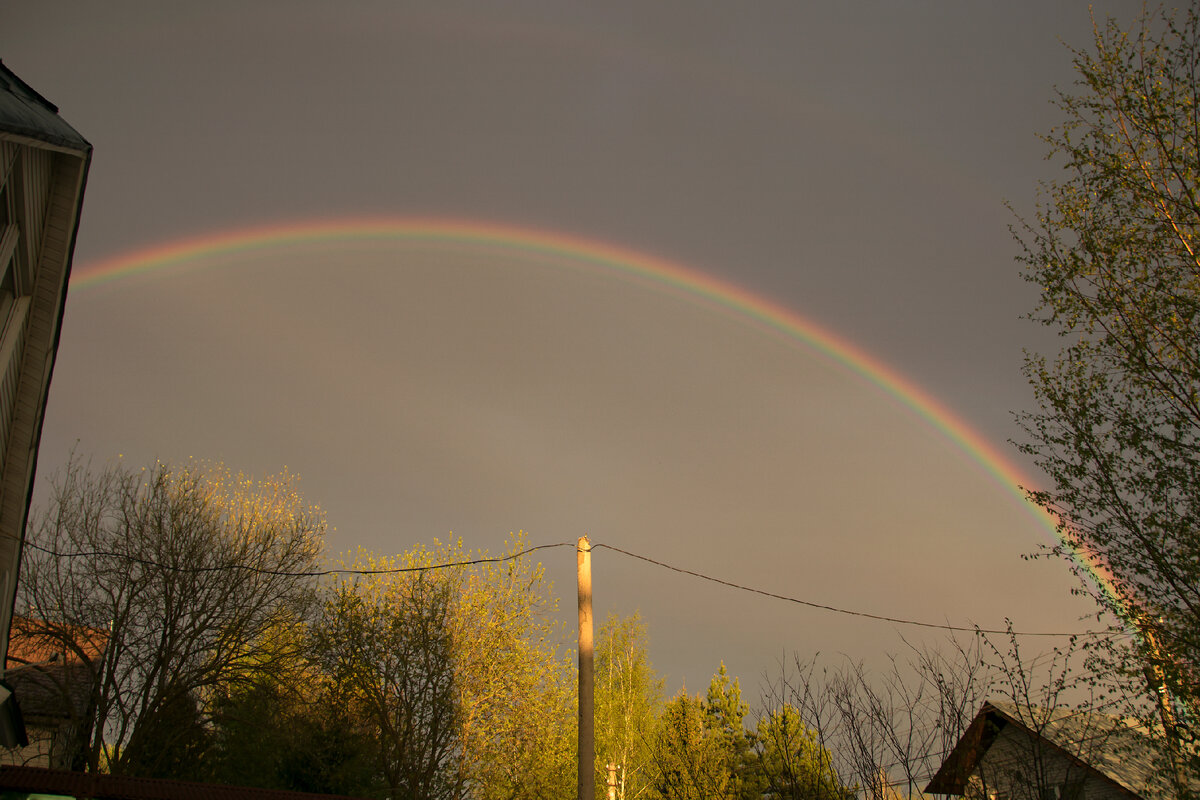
<point>1069,790</point>
<point>1072,790</point>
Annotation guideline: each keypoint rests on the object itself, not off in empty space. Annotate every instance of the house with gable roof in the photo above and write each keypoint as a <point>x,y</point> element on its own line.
<point>43,169</point>
<point>55,685</point>
<point>1010,752</point>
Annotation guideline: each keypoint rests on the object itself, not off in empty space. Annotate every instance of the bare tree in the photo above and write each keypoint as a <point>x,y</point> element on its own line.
<point>166,582</point>
<point>982,716</point>
<point>1046,724</point>
<point>888,730</point>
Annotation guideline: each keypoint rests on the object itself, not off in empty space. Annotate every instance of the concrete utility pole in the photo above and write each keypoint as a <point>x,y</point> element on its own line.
<point>587,742</point>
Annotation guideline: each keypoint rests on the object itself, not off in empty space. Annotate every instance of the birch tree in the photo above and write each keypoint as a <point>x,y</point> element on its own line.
<point>628,701</point>
<point>1113,252</point>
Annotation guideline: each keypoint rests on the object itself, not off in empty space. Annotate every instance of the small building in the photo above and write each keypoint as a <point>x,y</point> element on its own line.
<point>55,685</point>
<point>43,168</point>
<point>1014,753</point>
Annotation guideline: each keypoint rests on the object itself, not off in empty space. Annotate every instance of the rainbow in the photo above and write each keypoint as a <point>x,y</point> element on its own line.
<point>622,263</point>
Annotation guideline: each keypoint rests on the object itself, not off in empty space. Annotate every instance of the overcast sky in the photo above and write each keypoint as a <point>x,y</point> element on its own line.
<point>849,162</point>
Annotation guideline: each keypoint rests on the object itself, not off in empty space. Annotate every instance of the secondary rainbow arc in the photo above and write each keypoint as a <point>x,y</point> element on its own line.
<point>620,262</point>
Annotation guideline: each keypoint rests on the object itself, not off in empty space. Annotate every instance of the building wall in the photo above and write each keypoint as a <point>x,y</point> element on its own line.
<point>1020,767</point>
<point>40,192</point>
<point>50,746</point>
<point>34,754</point>
<point>24,192</point>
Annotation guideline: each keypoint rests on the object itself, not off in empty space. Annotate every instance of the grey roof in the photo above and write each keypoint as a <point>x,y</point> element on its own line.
<point>52,669</point>
<point>24,112</point>
<point>53,692</point>
<point>1119,751</point>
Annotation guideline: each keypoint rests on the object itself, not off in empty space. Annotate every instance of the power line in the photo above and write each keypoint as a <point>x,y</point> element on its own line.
<point>513,556</point>
<point>319,573</point>
<point>823,607</point>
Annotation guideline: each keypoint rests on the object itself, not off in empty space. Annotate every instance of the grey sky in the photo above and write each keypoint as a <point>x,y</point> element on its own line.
<point>849,161</point>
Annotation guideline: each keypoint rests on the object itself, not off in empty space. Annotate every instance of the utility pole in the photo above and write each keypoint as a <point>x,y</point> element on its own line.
<point>587,742</point>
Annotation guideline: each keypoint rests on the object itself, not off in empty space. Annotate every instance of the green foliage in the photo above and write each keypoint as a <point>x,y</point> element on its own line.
<point>690,762</point>
<point>412,680</point>
<point>791,762</point>
<point>628,697</point>
<point>169,742</point>
<point>702,749</point>
<point>454,672</point>
<point>295,734</point>
<point>516,694</point>
<point>725,722</point>
<point>1113,251</point>
<point>384,641</point>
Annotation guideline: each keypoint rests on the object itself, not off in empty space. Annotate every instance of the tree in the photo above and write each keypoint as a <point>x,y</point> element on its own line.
<point>385,642</point>
<point>293,731</point>
<point>701,748</point>
<point>166,582</point>
<point>1113,251</point>
<point>887,731</point>
<point>448,658</point>
<point>689,761</point>
<point>791,762</point>
<point>628,699</point>
<point>1046,755</point>
<point>725,722</point>
<point>289,727</point>
<point>516,694</point>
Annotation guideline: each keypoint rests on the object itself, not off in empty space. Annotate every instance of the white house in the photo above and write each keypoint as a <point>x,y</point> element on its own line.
<point>43,168</point>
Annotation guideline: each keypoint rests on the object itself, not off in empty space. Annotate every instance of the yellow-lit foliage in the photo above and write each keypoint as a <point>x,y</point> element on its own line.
<point>511,702</point>
<point>196,572</point>
<point>628,697</point>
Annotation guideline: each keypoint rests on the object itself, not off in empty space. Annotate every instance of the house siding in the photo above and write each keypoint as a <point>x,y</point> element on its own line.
<point>43,169</point>
<point>1018,766</point>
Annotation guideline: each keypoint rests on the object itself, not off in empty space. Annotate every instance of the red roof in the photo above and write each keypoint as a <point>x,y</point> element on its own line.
<point>35,642</point>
